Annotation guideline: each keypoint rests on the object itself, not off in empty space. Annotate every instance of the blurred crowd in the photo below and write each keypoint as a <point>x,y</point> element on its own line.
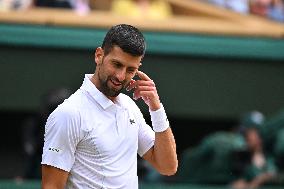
<point>272,9</point>
<point>249,156</point>
<point>156,9</point>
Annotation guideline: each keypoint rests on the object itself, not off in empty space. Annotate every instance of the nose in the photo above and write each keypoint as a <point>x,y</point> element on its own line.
<point>121,74</point>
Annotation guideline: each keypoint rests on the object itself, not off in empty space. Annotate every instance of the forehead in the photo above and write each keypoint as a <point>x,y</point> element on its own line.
<point>117,54</point>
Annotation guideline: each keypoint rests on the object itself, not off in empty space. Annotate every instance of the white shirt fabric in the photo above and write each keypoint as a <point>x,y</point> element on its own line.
<point>96,140</point>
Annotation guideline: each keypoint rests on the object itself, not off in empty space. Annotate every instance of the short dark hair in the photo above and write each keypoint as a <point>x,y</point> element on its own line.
<point>127,37</point>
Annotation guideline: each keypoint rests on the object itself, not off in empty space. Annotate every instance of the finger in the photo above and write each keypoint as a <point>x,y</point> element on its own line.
<point>144,95</point>
<point>144,88</point>
<point>138,83</point>
<point>131,85</point>
<point>144,83</point>
<point>143,76</point>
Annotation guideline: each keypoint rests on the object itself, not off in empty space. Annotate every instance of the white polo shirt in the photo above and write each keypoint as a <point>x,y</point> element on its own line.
<point>96,140</point>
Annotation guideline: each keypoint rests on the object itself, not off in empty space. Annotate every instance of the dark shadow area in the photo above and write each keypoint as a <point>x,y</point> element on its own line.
<point>188,132</point>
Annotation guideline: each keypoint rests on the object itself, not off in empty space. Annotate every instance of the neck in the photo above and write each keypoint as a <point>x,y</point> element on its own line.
<point>94,80</point>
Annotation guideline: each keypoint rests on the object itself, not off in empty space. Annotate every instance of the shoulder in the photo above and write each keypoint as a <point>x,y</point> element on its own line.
<point>66,111</point>
<point>65,115</point>
<point>63,122</point>
<point>71,107</point>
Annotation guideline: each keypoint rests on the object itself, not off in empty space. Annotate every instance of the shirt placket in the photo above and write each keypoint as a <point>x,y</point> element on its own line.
<point>121,117</point>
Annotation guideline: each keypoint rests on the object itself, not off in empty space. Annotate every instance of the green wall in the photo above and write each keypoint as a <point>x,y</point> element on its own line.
<point>197,75</point>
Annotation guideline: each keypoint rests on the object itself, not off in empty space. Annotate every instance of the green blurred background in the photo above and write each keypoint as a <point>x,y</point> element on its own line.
<point>205,81</point>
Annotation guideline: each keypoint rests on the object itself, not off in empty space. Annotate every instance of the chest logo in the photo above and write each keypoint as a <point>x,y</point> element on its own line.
<point>132,121</point>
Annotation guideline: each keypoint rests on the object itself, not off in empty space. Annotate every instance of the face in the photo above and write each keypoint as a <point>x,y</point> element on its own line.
<point>114,71</point>
<point>253,139</point>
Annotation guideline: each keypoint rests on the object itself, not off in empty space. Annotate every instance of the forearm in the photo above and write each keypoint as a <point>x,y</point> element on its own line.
<point>164,151</point>
<point>53,178</point>
<point>163,154</point>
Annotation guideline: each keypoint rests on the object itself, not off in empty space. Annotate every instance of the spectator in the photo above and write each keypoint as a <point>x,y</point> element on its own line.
<point>81,7</point>
<point>154,9</point>
<point>272,9</point>
<point>260,168</point>
<point>211,161</point>
<point>7,5</point>
<point>240,6</point>
<point>53,3</point>
<point>220,157</point>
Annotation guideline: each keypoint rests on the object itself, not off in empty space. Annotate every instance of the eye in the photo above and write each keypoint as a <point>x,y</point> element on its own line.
<point>131,71</point>
<point>116,64</point>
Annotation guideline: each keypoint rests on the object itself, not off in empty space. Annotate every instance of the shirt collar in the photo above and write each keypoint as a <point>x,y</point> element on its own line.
<point>99,97</point>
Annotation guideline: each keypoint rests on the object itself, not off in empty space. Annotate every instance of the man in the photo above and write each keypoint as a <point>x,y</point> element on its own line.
<point>240,6</point>
<point>92,138</point>
<point>259,168</point>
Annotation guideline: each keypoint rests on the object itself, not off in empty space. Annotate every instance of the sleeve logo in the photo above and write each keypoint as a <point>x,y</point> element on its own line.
<point>55,150</point>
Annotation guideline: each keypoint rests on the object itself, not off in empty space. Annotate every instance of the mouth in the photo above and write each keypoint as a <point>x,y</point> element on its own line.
<point>116,84</point>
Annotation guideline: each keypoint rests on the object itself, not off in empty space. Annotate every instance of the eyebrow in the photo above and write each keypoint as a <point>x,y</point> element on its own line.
<point>118,61</point>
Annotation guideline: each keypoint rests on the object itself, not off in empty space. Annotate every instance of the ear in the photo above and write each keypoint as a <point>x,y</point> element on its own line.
<point>99,54</point>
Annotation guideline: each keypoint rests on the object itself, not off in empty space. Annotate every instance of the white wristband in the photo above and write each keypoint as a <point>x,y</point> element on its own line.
<point>159,119</point>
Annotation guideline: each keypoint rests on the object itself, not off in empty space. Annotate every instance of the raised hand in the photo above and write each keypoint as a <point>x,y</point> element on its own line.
<point>145,88</point>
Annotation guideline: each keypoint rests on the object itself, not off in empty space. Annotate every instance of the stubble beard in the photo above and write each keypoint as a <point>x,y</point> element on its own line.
<point>108,91</point>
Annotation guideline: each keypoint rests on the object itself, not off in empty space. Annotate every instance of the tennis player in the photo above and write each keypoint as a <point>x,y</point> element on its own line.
<point>93,137</point>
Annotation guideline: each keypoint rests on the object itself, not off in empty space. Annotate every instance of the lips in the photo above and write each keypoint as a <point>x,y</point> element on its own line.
<point>116,83</point>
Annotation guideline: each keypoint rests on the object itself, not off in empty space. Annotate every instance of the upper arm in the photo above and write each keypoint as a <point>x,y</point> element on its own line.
<point>53,178</point>
<point>62,135</point>
<point>146,136</point>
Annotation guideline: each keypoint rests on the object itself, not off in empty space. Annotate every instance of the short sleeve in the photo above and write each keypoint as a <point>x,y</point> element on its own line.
<point>62,134</point>
<point>146,136</point>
